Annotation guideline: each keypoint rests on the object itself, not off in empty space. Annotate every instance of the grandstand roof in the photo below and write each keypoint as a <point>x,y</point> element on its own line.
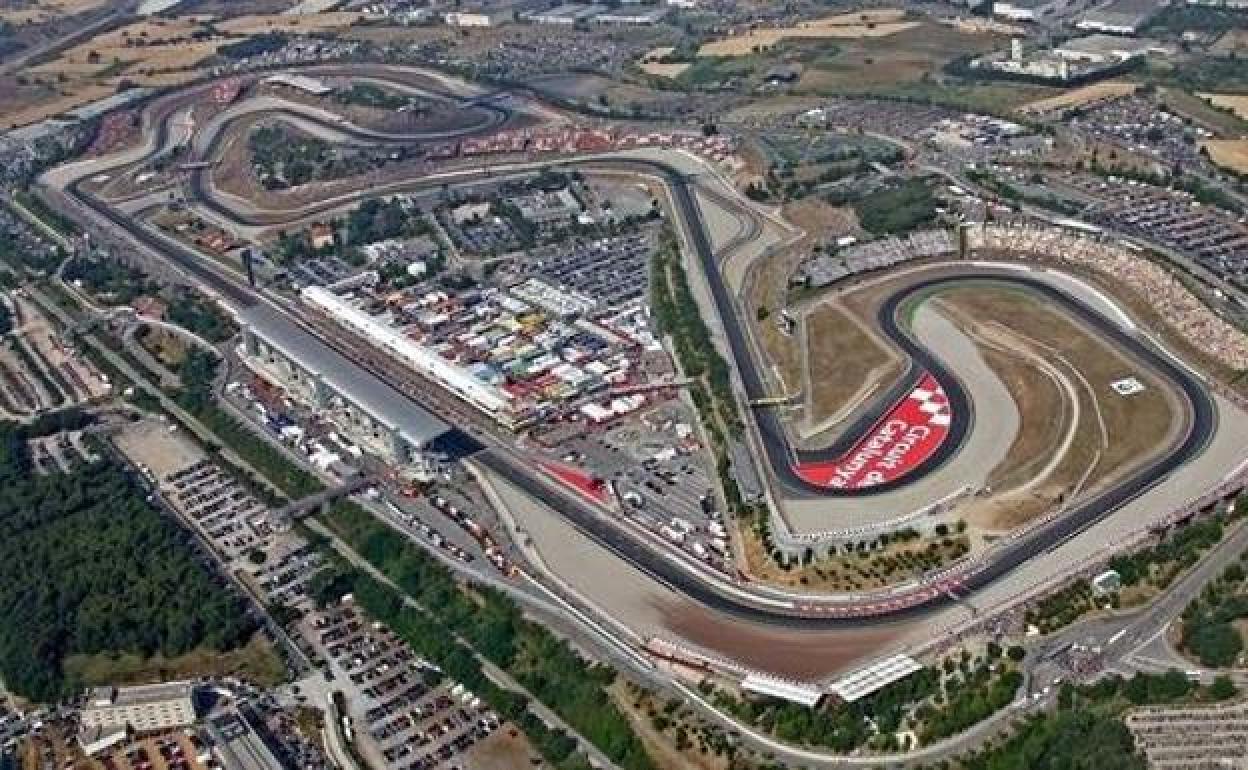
<point>878,675</point>
<point>413,422</point>
<point>301,83</point>
<point>388,338</point>
<point>780,688</point>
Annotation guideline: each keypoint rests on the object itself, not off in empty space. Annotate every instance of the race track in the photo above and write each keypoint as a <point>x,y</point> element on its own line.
<point>781,457</point>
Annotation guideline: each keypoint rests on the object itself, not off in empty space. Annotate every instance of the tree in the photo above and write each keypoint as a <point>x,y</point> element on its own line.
<point>1216,644</point>
<point>88,566</point>
<point>1223,688</point>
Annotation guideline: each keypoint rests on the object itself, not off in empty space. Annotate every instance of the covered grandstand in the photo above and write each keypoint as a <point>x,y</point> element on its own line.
<point>389,423</point>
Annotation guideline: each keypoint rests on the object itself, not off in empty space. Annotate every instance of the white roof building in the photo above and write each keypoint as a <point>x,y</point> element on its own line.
<point>144,708</point>
<point>875,677</point>
<point>795,692</point>
<point>428,363</point>
<point>300,83</point>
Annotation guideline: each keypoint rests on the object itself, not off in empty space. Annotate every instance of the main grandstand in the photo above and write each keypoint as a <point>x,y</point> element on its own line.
<point>380,418</point>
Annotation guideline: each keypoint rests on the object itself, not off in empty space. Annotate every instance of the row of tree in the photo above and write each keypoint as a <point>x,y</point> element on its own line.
<point>492,624</point>
<point>676,314</point>
<point>1209,632</point>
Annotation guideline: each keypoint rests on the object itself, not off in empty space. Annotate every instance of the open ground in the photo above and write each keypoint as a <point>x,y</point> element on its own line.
<point>1079,97</point>
<point>1076,433</point>
<point>875,23</point>
<point>1229,153</point>
<point>46,10</point>
<point>1236,103</point>
<point>155,52</point>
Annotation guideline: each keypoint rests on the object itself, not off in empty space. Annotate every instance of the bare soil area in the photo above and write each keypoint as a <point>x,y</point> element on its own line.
<point>846,361</point>
<point>1229,153</point>
<point>767,290</point>
<point>1044,356</point>
<point>866,24</point>
<point>1079,97</point>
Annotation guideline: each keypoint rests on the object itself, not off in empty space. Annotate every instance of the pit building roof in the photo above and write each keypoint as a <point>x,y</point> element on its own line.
<point>414,423</point>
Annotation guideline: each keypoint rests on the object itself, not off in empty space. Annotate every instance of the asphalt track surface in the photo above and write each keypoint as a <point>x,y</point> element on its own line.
<point>781,455</point>
<point>729,599</point>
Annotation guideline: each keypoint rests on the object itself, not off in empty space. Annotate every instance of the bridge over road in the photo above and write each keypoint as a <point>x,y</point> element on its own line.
<point>307,506</point>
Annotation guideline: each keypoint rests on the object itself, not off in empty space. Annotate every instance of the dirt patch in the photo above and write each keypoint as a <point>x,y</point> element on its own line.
<point>1235,41</point>
<point>1229,153</point>
<point>257,661</point>
<point>1236,103</point>
<point>155,52</point>
<point>58,101</point>
<point>278,22</point>
<point>768,285</point>
<point>42,11</point>
<point>846,362</point>
<point>652,63</point>
<point>505,749</point>
<point>156,44</point>
<point>850,26</point>
<point>641,709</point>
<point>907,64</point>
<point>1112,432</point>
<point>1079,97</point>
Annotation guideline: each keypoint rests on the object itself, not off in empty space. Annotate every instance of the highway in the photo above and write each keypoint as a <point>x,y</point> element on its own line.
<point>697,584</point>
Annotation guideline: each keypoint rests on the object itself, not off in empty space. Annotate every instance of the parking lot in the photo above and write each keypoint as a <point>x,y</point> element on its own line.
<point>406,715</point>
<point>1191,738</point>
<point>1171,217</point>
<point>59,452</point>
<point>611,270</point>
<point>1137,124</point>
<point>247,536</point>
<point>660,476</point>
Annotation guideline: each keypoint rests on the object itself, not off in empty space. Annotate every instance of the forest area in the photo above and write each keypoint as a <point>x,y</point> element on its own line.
<point>88,566</point>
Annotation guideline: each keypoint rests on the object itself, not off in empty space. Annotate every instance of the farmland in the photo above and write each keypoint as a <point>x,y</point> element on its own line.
<point>849,26</point>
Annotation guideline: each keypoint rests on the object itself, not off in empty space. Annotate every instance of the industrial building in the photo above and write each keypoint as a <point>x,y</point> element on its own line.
<point>565,14</point>
<point>379,418</point>
<point>145,708</point>
<point>1090,56</point>
<point>638,17</point>
<point>546,208</point>
<point>483,16</point>
<point>1120,17</point>
<point>1107,49</point>
<point>1027,10</point>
